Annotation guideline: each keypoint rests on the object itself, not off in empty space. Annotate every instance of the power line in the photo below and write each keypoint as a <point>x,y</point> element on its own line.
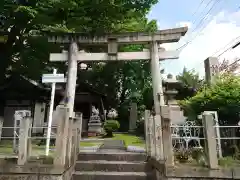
<point>230,42</point>
<point>231,47</point>
<point>203,10</point>
<point>198,23</point>
<point>198,7</point>
<point>195,12</point>
<point>201,21</point>
<point>196,19</point>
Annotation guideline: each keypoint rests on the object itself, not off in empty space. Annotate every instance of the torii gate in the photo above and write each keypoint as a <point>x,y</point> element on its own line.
<point>73,56</point>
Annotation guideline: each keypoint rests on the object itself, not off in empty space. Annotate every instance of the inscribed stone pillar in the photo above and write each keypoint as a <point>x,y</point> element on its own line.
<point>70,142</point>
<point>210,139</point>
<point>151,129</point>
<point>211,68</point>
<point>147,132</point>
<point>158,99</point>
<point>24,142</point>
<point>133,117</point>
<point>167,136</point>
<point>62,136</point>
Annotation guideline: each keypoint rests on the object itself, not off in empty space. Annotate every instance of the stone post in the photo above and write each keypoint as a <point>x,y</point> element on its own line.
<point>158,98</point>
<point>1,126</point>
<point>151,129</point>
<point>210,139</point>
<point>71,78</point>
<point>24,145</point>
<point>62,135</point>
<point>79,130</point>
<point>133,117</point>
<point>147,132</point>
<point>69,142</point>
<point>211,69</point>
<point>167,136</point>
<point>74,144</point>
<point>76,130</point>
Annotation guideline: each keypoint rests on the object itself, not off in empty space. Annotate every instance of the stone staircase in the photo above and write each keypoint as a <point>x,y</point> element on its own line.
<point>112,165</point>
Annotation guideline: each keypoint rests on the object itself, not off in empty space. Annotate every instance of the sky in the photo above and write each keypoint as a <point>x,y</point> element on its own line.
<point>209,34</point>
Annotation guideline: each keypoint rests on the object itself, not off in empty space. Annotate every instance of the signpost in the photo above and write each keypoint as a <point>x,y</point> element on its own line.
<point>51,78</point>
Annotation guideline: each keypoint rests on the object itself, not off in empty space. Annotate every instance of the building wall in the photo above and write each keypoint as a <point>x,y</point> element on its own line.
<point>38,118</point>
<point>9,111</point>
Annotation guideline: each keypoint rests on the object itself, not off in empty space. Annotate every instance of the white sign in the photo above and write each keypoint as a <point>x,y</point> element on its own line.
<point>53,78</point>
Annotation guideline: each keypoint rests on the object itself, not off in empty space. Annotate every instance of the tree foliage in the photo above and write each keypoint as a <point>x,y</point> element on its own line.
<point>23,18</point>
<point>226,67</point>
<point>223,96</point>
<point>190,83</point>
<point>27,52</point>
<point>124,82</point>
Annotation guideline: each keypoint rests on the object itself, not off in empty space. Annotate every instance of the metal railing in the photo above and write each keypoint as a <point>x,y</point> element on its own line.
<point>9,144</point>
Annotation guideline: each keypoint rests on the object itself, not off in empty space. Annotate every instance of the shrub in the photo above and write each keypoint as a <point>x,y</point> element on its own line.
<point>110,126</point>
<point>182,155</point>
<point>140,127</point>
<point>197,152</point>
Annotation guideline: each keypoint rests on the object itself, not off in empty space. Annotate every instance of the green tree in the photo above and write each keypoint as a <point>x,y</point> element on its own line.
<point>122,81</point>
<point>23,18</point>
<point>27,52</point>
<point>190,83</point>
<point>223,96</point>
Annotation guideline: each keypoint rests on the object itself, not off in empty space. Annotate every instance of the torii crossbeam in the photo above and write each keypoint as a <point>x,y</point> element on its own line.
<point>121,56</point>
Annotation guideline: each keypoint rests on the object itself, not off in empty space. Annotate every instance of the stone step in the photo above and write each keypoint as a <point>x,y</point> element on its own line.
<point>113,144</point>
<point>97,175</point>
<point>112,156</point>
<point>117,166</point>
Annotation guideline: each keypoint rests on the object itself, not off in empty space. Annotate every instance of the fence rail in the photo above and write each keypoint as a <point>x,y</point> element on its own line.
<point>214,139</point>
<point>65,138</point>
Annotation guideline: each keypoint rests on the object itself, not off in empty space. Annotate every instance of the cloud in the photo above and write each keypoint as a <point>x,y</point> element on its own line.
<point>223,27</point>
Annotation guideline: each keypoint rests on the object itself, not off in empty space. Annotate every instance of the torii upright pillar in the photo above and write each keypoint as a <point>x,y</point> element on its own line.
<point>69,96</point>
<point>158,100</point>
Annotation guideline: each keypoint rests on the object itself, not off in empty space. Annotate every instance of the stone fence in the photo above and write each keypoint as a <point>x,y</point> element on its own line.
<point>67,139</point>
<point>168,156</point>
<point>187,172</point>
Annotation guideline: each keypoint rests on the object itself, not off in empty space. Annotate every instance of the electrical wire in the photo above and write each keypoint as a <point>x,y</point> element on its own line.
<point>198,8</point>
<point>200,4</point>
<point>203,11</point>
<point>199,24</point>
<point>231,47</point>
<point>230,42</point>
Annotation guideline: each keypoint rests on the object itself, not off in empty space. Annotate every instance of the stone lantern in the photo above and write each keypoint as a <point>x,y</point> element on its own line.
<point>169,88</point>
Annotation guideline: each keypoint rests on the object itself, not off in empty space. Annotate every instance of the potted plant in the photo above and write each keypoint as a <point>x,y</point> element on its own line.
<point>182,155</point>
<point>111,126</point>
